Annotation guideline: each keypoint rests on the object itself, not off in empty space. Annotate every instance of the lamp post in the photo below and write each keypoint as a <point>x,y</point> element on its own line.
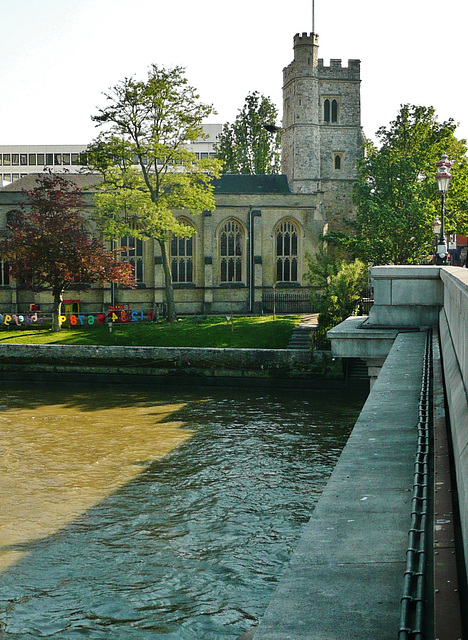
<point>443,178</point>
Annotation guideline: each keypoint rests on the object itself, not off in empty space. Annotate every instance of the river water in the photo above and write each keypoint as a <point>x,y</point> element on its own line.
<point>135,514</point>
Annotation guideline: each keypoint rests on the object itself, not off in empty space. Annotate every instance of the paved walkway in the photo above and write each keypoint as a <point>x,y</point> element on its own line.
<point>345,579</point>
<point>300,338</point>
<point>309,320</point>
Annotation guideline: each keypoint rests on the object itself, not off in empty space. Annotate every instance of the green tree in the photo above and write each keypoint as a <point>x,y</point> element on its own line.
<point>144,157</point>
<point>340,296</point>
<point>246,146</point>
<point>48,246</point>
<point>396,194</point>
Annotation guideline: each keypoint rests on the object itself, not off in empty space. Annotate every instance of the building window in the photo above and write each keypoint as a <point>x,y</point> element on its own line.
<point>286,252</point>
<point>15,159</point>
<point>32,159</point>
<point>4,274</point>
<point>337,161</point>
<point>132,252</point>
<point>330,110</point>
<point>334,111</point>
<point>231,251</point>
<point>23,159</point>
<point>6,159</point>
<point>40,158</point>
<point>182,259</point>
<point>13,217</point>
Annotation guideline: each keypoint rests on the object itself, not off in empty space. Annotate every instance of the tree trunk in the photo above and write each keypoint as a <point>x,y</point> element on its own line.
<point>57,310</point>
<point>171,311</point>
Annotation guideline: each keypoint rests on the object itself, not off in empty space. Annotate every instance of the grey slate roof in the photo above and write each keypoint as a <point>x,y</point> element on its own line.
<point>240,183</point>
<point>227,183</point>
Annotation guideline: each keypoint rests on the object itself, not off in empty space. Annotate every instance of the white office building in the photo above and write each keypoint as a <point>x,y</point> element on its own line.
<point>17,161</point>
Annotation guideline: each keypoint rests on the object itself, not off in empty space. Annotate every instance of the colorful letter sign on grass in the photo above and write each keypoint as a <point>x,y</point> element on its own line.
<point>77,320</point>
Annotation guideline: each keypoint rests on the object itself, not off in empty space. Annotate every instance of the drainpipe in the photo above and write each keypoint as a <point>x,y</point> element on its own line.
<point>251,261</point>
<point>251,258</point>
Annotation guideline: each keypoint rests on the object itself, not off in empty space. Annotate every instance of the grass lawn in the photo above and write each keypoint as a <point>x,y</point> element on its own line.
<point>257,332</point>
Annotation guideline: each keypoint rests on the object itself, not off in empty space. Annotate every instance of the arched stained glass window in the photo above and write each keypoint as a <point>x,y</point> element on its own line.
<point>132,252</point>
<point>231,251</point>
<point>182,259</point>
<point>286,252</point>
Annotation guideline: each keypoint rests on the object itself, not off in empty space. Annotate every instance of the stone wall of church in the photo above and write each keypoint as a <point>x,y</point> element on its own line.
<point>258,220</point>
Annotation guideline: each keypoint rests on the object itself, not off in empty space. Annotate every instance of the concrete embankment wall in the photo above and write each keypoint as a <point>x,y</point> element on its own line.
<point>170,364</point>
<point>453,328</point>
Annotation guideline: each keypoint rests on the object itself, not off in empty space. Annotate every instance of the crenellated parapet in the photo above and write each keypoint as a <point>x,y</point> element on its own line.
<point>336,69</point>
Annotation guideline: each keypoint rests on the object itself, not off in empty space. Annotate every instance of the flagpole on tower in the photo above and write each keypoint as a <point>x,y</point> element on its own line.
<point>313,16</point>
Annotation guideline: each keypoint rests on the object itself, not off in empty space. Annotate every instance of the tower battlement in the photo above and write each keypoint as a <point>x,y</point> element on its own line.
<point>305,39</point>
<point>307,63</point>
<point>336,68</point>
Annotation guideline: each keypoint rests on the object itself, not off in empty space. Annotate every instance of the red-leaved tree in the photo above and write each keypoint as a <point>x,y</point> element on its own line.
<point>49,247</point>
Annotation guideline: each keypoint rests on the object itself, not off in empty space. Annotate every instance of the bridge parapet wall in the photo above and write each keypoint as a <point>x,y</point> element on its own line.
<point>406,296</point>
<point>455,282</point>
<point>414,298</point>
<point>453,327</point>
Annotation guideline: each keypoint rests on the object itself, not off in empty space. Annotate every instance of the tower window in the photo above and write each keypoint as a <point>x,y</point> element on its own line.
<point>337,161</point>
<point>334,111</point>
<point>330,110</point>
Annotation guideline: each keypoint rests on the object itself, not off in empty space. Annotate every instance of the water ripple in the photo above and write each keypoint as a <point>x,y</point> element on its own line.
<point>192,547</point>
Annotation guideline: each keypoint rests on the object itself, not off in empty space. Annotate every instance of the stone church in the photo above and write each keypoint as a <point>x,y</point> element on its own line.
<point>253,245</point>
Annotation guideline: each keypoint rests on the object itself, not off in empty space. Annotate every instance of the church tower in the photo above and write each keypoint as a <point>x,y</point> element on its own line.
<point>322,137</point>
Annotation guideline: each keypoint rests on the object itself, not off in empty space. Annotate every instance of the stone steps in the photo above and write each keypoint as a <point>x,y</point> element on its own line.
<point>300,338</point>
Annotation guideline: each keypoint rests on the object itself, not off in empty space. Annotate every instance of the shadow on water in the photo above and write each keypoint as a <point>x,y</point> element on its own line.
<point>192,546</point>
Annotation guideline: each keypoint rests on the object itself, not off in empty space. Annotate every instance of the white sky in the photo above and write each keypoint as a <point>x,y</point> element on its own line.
<point>57,57</point>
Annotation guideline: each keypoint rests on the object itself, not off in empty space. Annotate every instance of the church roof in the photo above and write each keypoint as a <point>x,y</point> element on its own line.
<point>240,183</point>
<point>83,180</point>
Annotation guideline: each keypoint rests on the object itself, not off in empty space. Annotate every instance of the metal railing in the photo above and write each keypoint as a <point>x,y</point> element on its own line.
<point>413,599</point>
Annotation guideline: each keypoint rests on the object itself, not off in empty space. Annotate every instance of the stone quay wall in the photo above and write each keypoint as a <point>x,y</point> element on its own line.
<point>170,364</point>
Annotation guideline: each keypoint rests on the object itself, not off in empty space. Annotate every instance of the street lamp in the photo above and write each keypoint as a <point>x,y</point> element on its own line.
<point>443,178</point>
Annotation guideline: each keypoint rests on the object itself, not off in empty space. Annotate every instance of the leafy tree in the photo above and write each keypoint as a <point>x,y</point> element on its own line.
<point>396,193</point>
<point>48,246</point>
<point>326,263</point>
<point>342,293</point>
<point>246,146</point>
<point>144,157</point>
